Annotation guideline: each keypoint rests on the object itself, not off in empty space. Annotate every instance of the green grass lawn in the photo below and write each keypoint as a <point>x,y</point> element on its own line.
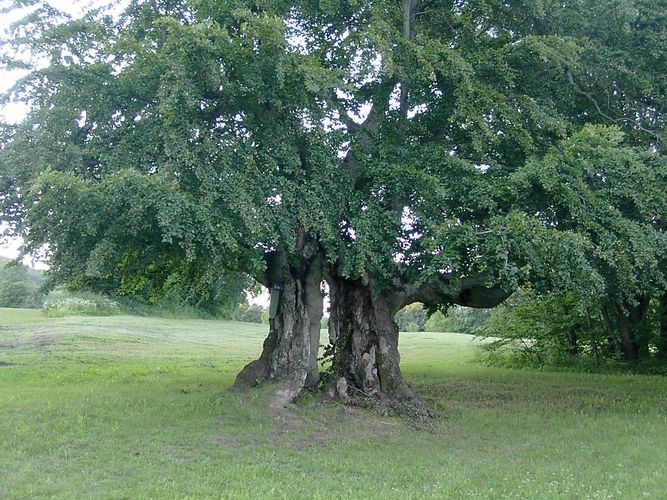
<point>130,407</point>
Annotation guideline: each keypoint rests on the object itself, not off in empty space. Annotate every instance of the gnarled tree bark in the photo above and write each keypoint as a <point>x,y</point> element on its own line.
<point>289,355</point>
<point>364,335</point>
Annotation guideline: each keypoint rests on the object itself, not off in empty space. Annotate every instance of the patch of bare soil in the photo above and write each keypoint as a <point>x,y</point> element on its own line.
<point>36,341</point>
<point>326,422</point>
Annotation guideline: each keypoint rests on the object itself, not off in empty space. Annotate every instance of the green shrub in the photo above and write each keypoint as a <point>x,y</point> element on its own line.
<point>20,294</point>
<point>60,302</point>
<point>544,330</point>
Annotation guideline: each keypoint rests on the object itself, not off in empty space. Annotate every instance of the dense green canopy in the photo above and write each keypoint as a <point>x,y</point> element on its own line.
<point>166,135</point>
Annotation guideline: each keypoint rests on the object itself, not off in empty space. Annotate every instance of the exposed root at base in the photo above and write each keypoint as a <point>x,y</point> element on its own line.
<point>278,395</point>
<point>413,410</point>
<point>412,407</point>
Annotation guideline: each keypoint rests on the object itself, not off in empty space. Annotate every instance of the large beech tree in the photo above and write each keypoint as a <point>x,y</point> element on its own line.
<point>368,144</point>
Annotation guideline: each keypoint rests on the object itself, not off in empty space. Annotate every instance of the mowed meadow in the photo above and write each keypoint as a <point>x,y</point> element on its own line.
<point>133,407</point>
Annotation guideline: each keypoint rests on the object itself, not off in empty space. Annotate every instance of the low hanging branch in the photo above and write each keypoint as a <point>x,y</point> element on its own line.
<point>470,291</point>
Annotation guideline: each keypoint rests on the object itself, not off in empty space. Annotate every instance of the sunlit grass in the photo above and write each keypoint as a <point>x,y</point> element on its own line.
<point>128,407</point>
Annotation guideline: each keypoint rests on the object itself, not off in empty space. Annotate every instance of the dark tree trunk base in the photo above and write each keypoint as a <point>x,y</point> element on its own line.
<point>624,323</point>
<point>365,367</point>
<point>662,336</point>
<point>631,321</point>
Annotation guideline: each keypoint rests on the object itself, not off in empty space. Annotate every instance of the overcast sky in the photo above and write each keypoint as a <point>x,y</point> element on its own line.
<point>11,113</point>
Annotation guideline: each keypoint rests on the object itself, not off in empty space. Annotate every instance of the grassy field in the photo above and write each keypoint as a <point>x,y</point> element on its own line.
<point>129,407</point>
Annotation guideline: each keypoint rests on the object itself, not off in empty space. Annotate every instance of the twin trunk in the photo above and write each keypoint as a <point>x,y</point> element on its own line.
<point>364,337</point>
<point>289,355</point>
<point>362,331</point>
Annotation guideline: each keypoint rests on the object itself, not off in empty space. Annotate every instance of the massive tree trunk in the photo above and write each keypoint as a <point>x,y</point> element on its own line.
<point>364,337</point>
<point>289,355</point>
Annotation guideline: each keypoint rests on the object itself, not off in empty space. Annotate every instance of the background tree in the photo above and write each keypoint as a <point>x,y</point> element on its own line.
<point>560,329</point>
<point>543,329</point>
<point>458,319</point>
<point>411,318</point>
<point>613,195</point>
<point>20,286</point>
<point>251,313</point>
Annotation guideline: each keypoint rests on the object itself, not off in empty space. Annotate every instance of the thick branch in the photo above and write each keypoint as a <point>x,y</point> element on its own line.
<point>272,273</point>
<point>470,292</point>
<point>408,33</point>
<point>366,131</point>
